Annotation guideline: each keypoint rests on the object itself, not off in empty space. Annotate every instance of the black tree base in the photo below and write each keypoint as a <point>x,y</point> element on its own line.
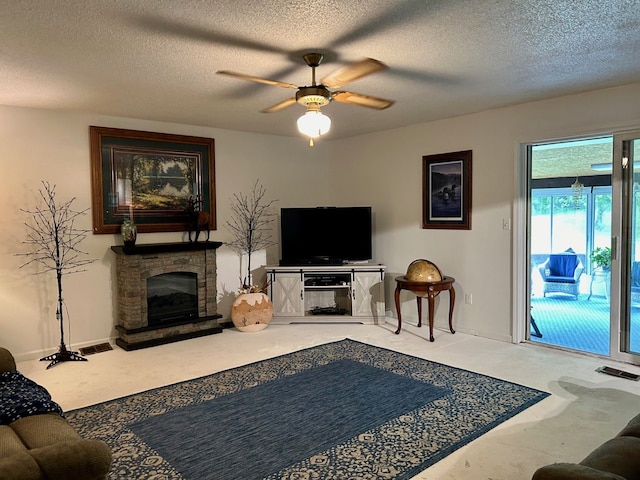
<point>62,355</point>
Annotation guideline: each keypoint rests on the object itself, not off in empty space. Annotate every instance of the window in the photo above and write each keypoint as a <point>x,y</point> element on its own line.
<point>559,220</point>
<point>557,223</point>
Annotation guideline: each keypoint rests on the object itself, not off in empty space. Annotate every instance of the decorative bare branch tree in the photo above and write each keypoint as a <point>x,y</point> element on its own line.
<point>54,239</point>
<point>250,225</point>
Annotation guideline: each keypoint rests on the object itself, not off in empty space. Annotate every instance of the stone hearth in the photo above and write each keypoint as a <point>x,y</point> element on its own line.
<point>136,265</point>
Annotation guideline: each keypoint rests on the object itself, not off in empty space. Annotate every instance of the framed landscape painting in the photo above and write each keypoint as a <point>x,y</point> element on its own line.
<point>446,190</point>
<point>150,178</point>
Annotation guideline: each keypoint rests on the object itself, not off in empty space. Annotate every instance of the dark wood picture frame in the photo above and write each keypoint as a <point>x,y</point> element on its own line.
<point>149,176</point>
<point>446,190</point>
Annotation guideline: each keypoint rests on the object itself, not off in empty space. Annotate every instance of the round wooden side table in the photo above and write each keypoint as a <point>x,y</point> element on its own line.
<point>429,290</point>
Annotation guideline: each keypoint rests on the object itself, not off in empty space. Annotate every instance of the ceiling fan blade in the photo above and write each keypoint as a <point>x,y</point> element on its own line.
<point>352,72</point>
<point>186,30</point>
<point>389,19</point>
<point>280,106</point>
<point>362,100</point>
<point>251,78</point>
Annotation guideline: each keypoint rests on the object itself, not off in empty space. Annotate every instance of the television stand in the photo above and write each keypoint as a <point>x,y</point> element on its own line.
<point>327,293</point>
<point>335,310</point>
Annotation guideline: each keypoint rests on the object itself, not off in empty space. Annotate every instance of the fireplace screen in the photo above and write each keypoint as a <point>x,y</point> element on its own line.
<point>172,297</point>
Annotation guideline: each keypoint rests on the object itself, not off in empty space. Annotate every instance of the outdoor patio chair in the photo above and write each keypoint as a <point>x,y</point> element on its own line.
<point>561,273</point>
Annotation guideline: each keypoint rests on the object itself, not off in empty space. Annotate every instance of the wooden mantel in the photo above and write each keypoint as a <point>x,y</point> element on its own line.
<point>151,248</point>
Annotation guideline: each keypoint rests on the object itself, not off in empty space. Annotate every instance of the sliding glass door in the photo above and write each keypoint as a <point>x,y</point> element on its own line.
<point>629,249</point>
<point>583,245</point>
<point>569,220</point>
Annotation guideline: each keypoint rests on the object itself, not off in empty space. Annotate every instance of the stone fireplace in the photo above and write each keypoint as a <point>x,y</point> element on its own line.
<point>166,292</point>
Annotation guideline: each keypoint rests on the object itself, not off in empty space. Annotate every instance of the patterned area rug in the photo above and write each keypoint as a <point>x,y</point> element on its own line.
<point>335,411</point>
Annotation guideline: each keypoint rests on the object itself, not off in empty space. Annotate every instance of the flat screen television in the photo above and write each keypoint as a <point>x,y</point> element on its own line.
<point>325,235</point>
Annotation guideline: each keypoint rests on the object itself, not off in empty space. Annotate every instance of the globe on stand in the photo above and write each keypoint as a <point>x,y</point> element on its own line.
<point>422,270</point>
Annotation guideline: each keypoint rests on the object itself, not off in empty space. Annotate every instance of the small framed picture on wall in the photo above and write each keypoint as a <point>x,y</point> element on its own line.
<point>446,190</point>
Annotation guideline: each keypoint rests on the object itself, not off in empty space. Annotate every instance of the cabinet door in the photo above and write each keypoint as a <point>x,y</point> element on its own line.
<point>287,295</point>
<point>368,295</point>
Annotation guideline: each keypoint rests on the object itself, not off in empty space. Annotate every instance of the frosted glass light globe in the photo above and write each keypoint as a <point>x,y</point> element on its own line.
<point>314,123</point>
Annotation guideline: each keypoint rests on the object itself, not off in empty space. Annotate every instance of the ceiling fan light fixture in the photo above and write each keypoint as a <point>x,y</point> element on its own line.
<point>315,95</point>
<point>314,123</point>
<point>601,167</point>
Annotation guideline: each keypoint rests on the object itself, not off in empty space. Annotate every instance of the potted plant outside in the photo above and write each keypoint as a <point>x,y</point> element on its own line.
<point>250,226</point>
<point>601,258</point>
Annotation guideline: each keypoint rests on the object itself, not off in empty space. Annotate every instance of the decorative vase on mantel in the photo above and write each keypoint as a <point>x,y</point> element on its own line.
<point>251,312</point>
<point>129,232</point>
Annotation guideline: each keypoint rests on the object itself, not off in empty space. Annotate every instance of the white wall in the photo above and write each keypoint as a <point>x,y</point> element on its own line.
<point>53,146</point>
<point>383,170</point>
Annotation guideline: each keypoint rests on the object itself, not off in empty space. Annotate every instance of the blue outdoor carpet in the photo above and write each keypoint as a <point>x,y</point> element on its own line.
<point>344,410</point>
<point>577,324</point>
<point>582,324</point>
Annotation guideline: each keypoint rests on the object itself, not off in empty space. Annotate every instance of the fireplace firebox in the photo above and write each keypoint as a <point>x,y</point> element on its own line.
<point>172,296</point>
<point>166,293</point>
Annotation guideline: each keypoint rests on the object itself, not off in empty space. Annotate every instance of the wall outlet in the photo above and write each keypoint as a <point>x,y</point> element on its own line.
<point>468,298</point>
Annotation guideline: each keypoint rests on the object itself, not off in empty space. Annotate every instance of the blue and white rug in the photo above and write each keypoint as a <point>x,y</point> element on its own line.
<point>344,410</point>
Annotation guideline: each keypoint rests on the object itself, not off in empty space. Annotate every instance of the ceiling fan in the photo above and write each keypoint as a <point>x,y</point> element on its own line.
<point>313,123</point>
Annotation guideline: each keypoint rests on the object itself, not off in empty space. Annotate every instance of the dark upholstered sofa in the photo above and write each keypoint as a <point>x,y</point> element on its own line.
<point>616,459</point>
<point>40,444</point>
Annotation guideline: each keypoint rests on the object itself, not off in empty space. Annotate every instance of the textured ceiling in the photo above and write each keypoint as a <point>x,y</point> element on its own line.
<point>156,59</point>
<point>572,159</point>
